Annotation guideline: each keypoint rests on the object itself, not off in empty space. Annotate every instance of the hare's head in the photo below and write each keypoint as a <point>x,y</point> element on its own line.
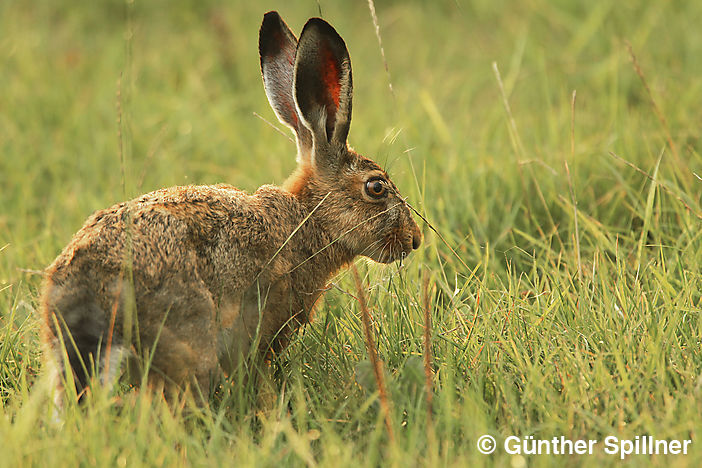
<point>309,86</point>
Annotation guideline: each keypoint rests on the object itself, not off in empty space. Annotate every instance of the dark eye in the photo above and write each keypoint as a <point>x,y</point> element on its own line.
<point>376,188</point>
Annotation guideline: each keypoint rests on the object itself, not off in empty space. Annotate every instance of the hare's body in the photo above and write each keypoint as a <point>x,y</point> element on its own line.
<point>190,279</point>
<point>198,290</point>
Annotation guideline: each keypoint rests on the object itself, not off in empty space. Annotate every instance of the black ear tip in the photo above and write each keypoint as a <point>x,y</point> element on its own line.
<point>274,35</point>
<point>270,21</point>
<point>321,27</point>
<point>317,21</point>
<point>271,15</point>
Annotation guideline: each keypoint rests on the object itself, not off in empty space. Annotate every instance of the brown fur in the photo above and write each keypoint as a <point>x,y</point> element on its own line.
<point>197,273</point>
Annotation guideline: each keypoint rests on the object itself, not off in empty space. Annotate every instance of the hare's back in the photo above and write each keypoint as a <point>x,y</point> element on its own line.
<point>175,252</point>
<point>218,233</point>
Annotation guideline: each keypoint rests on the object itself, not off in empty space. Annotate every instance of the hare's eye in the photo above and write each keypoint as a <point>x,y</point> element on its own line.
<point>376,188</point>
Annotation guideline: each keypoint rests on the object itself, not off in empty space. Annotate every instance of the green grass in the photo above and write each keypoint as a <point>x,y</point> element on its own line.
<point>539,328</point>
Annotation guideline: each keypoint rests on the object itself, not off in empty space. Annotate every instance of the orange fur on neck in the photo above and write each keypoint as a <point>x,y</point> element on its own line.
<point>297,183</point>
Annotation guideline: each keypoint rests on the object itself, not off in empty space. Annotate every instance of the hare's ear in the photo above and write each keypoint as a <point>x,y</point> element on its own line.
<point>323,85</point>
<point>277,46</point>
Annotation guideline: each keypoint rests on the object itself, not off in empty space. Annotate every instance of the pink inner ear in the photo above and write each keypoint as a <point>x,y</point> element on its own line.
<point>331,75</point>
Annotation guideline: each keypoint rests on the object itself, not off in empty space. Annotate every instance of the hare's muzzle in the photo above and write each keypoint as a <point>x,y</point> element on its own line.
<point>416,241</point>
<point>416,235</point>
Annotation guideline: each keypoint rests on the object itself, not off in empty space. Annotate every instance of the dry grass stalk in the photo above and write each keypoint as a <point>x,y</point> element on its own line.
<point>374,16</point>
<point>572,190</point>
<point>426,305</point>
<point>373,353</point>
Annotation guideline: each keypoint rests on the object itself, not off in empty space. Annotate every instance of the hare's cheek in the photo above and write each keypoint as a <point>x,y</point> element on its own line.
<point>348,218</point>
<point>357,243</point>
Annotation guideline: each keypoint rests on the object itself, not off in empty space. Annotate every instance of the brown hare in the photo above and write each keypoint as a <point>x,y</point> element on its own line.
<point>192,278</point>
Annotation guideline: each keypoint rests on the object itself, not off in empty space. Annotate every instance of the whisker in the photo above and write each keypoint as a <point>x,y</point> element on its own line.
<point>340,237</point>
<point>431,226</point>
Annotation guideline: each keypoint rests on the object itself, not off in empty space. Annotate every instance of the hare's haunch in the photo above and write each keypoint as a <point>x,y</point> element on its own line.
<point>193,277</point>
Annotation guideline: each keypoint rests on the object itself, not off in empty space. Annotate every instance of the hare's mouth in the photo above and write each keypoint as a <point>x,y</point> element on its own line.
<point>391,250</point>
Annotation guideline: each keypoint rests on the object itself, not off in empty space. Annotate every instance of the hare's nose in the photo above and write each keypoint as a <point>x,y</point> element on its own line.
<point>416,240</point>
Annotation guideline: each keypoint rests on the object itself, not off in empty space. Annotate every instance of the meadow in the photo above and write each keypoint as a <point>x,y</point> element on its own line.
<point>553,148</point>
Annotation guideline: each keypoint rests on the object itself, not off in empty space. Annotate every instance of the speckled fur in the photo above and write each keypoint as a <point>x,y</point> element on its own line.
<point>193,272</point>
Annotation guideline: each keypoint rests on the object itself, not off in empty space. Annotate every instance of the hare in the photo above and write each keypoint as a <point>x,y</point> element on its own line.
<point>190,279</point>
